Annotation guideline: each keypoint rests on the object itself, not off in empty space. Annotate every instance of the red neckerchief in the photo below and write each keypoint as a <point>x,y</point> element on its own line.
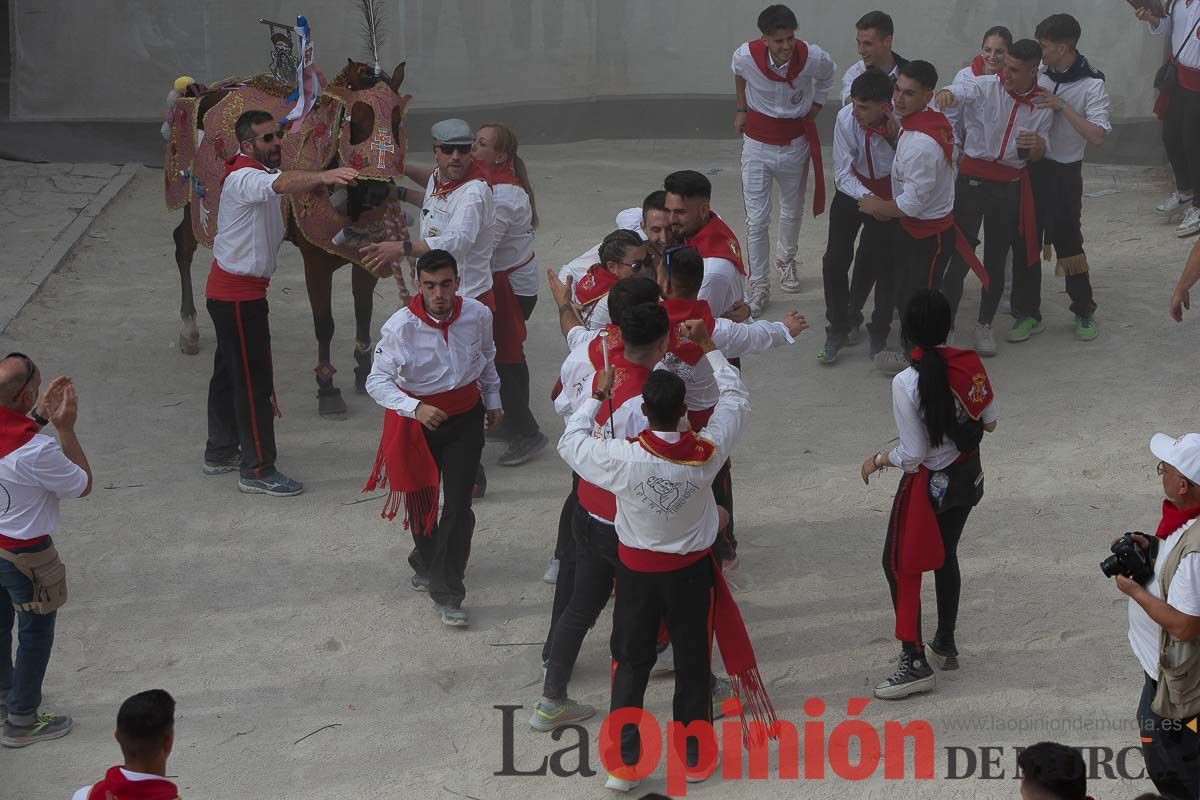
<point>1021,99</point>
<point>690,450</point>
<point>679,312</point>
<point>977,67</point>
<point>474,173</point>
<point>1173,518</point>
<point>716,240</point>
<point>501,174</point>
<point>115,786</point>
<point>417,307</point>
<point>241,161</point>
<point>761,56</point>
<point>594,284</point>
<point>15,430</point>
<point>616,348</point>
<point>968,379</point>
<point>882,133</point>
<point>934,125</point>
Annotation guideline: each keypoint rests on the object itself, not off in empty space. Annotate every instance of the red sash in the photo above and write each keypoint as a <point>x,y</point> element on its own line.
<point>716,240</point>
<point>1173,518</point>
<point>115,786</point>
<point>781,132</point>
<point>679,312</point>
<point>968,379</point>
<point>924,228</point>
<point>616,348</point>
<point>474,173</point>
<point>1027,217</point>
<point>403,462</point>
<point>760,54</point>
<point>508,322</point>
<point>916,547</point>
<point>628,379</point>
<point>224,285</point>
<point>880,187</point>
<point>1187,77</point>
<point>594,284</point>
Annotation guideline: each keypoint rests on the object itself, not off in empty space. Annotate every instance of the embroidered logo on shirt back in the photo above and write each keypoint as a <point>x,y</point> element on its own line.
<point>664,496</point>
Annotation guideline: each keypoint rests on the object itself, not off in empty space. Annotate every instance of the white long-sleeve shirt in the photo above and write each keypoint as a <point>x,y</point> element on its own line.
<point>914,448</point>
<point>1089,98</point>
<point>922,178</point>
<point>460,222</point>
<point>250,225</point>
<point>777,98</point>
<point>856,69</point>
<point>1180,23</point>
<point>850,154</point>
<point>992,119</point>
<point>413,359</point>
<point>661,505</point>
<point>512,228</point>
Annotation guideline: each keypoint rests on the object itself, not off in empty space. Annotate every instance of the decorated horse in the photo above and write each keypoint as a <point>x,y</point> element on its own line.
<point>357,120</point>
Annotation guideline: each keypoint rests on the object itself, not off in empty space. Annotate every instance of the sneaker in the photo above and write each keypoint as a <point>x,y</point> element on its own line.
<point>1173,202</point>
<point>621,784</point>
<point>944,655</point>
<point>891,362</point>
<point>665,660</point>
<point>479,490</point>
<point>701,778</point>
<point>551,573</point>
<point>522,449</point>
<point>1190,224</point>
<point>1085,329</point>
<point>276,485</point>
<point>453,616</point>
<point>855,336</point>
<point>913,675</point>
<point>45,728</point>
<point>419,583</point>
<point>548,714</point>
<point>759,300</point>
<point>1023,328</point>
<point>231,464</point>
<point>788,280</point>
<point>985,342</point>
<point>722,690</point>
<point>834,342</point>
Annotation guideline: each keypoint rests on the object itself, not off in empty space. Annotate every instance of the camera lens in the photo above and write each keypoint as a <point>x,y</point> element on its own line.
<point>1111,566</point>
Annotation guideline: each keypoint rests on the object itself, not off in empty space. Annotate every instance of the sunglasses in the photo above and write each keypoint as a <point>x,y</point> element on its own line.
<point>30,371</point>
<point>267,137</point>
<point>635,266</point>
<point>451,149</point>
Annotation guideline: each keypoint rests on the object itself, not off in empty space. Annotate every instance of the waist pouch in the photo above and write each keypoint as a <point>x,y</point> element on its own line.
<point>49,577</point>
<point>965,489</point>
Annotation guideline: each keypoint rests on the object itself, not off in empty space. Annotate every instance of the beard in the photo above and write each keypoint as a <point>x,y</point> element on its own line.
<point>270,156</point>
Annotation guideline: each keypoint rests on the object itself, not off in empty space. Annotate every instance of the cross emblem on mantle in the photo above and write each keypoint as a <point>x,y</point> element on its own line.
<point>382,143</point>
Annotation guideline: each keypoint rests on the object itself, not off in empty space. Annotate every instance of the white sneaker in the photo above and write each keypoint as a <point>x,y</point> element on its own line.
<point>759,300</point>
<point>788,280</point>
<point>1190,224</point>
<point>985,343</point>
<point>551,573</point>
<point>891,362</point>
<point>1173,202</point>
<point>620,784</point>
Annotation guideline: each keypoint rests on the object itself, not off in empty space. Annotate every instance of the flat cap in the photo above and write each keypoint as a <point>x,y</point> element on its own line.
<point>453,131</point>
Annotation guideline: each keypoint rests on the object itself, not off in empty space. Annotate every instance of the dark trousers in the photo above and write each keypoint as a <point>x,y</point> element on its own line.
<point>947,580</point>
<point>684,598</point>
<point>725,547</point>
<point>21,680</point>
<point>1172,755</point>
<point>527,302</point>
<point>919,263</point>
<point>1181,138</point>
<point>844,298</point>
<point>514,398</point>
<point>1058,192</point>
<point>996,207</point>
<point>564,551</point>
<point>442,556</point>
<point>595,567</point>
<point>241,408</point>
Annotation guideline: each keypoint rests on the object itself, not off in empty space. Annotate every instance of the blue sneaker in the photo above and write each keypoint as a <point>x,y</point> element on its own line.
<point>221,466</point>
<point>276,485</point>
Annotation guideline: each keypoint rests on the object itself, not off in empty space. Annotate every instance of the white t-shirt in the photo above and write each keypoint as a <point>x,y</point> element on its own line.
<point>1144,633</point>
<point>249,223</point>
<point>914,448</point>
<point>33,478</point>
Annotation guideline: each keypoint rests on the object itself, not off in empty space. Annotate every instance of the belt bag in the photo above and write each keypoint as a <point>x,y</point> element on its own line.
<point>965,488</point>
<point>1165,80</point>
<point>49,577</point>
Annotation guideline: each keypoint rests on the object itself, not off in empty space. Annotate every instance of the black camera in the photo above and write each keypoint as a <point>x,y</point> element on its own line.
<point>1128,559</point>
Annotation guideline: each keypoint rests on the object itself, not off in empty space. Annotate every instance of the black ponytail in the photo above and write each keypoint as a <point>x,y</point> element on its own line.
<point>926,325</point>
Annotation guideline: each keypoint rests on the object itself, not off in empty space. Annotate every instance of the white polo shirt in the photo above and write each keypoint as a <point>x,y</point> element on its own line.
<point>461,223</point>
<point>250,225</point>
<point>1144,633</point>
<point>33,478</point>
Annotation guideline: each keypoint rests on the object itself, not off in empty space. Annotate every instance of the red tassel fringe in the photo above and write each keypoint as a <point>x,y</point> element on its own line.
<point>756,705</point>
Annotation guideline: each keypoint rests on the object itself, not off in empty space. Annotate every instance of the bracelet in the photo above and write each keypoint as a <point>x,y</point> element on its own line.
<point>38,418</point>
<point>742,110</point>
<point>601,396</point>
<point>876,459</point>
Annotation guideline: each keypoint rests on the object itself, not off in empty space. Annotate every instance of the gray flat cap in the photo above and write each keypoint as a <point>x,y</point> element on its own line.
<point>453,131</point>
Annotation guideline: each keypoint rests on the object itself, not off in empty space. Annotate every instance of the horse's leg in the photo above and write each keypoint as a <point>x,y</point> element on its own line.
<point>362,283</point>
<point>185,248</point>
<point>318,279</point>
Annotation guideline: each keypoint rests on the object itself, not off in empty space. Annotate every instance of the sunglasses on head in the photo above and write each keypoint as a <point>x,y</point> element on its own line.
<point>673,251</point>
<point>267,137</point>
<point>30,371</point>
<point>451,149</point>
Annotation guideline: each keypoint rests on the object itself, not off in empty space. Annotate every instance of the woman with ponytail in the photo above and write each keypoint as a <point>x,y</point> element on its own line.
<point>514,276</point>
<point>942,405</point>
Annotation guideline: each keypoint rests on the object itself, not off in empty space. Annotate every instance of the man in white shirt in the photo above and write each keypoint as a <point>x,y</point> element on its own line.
<point>873,39</point>
<point>1005,132</point>
<point>146,734</point>
<point>1164,622</point>
<point>435,373</point>
<point>781,84</point>
<point>1075,92</point>
<point>694,223</point>
<point>35,473</point>
<point>864,146</point>
<point>250,229</point>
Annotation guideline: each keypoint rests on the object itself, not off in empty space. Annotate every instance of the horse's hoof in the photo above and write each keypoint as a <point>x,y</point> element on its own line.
<point>189,337</point>
<point>330,404</point>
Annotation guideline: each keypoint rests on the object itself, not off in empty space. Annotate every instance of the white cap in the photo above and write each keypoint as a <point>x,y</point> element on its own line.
<point>1182,453</point>
<point>631,220</point>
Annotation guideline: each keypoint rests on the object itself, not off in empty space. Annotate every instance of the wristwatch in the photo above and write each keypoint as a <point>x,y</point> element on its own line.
<point>38,418</point>
<point>408,247</point>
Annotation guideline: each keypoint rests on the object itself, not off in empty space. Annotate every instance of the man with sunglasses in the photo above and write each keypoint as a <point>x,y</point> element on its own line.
<point>35,473</point>
<point>250,229</point>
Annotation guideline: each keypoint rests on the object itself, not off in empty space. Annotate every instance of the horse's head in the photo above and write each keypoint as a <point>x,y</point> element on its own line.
<point>358,76</point>
<point>373,139</point>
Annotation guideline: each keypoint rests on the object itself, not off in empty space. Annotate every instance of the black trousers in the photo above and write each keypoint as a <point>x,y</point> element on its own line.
<point>684,598</point>
<point>442,556</point>
<point>996,207</point>
<point>564,551</point>
<point>947,580</point>
<point>1058,193</point>
<point>919,263</point>
<point>595,568</point>
<point>844,298</point>
<point>1172,755</point>
<point>241,407</point>
<point>725,547</point>
<point>527,302</point>
<point>514,385</point>
<point>1181,138</point>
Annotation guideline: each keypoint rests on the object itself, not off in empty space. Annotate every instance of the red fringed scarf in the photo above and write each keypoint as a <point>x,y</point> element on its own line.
<point>241,161</point>
<point>679,312</point>
<point>716,240</point>
<point>916,548</point>
<point>403,462</point>
<point>115,786</point>
<point>969,381</point>
<point>594,284</point>
<point>15,430</point>
<point>474,172</point>
<point>1173,518</point>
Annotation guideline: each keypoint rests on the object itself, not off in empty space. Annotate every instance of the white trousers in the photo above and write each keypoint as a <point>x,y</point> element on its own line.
<point>764,165</point>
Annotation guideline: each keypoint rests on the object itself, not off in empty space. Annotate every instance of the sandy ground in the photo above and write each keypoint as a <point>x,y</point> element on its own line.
<point>268,619</point>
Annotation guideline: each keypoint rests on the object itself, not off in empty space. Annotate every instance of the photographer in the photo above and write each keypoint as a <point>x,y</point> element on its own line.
<point>1164,618</point>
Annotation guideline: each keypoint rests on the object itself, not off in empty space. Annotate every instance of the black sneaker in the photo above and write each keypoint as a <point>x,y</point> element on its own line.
<point>944,654</point>
<point>46,727</point>
<point>503,433</point>
<point>223,465</point>
<point>522,449</point>
<point>419,583</point>
<point>834,342</point>
<point>913,675</point>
